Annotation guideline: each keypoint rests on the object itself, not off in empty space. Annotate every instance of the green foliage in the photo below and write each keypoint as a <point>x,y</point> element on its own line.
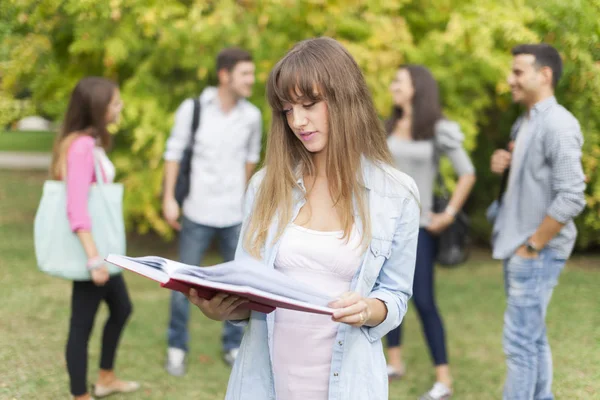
<point>163,51</point>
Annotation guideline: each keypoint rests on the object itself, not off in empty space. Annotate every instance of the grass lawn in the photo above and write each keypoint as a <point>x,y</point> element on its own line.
<point>37,142</point>
<point>34,319</point>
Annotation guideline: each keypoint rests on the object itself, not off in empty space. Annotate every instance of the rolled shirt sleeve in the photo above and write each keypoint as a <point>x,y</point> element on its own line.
<point>80,175</point>
<point>180,133</point>
<point>395,280</point>
<point>568,180</point>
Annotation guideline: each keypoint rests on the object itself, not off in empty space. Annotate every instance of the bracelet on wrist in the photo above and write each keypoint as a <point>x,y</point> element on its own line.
<point>94,263</point>
<point>451,211</point>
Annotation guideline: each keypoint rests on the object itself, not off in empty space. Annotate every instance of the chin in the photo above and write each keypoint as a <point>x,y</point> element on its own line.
<point>315,148</point>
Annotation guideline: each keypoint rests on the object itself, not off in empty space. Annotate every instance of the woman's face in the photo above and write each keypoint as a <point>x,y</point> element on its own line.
<point>113,110</point>
<point>309,122</point>
<point>402,88</point>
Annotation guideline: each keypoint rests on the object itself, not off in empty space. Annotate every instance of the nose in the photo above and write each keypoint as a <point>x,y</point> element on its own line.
<point>510,79</point>
<point>299,119</point>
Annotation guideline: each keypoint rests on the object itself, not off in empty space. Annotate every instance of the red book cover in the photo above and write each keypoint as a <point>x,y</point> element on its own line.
<point>208,293</point>
<point>259,300</point>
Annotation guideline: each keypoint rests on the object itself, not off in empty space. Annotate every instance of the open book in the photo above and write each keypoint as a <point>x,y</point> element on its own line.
<point>266,288</point>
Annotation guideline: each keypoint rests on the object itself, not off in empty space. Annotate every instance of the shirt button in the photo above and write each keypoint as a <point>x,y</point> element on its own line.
<point>335,374</point>
<point>340,343</point>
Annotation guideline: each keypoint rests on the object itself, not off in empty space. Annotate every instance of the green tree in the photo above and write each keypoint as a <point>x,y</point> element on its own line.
<point>161,52</point>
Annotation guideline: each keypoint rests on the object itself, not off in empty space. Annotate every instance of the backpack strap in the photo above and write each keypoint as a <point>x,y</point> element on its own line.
<point>513,136</point>
<point>195,122</point>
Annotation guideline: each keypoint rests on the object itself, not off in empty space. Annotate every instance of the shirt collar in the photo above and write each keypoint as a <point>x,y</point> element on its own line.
<point>543,106</point>
<point>210,95</point>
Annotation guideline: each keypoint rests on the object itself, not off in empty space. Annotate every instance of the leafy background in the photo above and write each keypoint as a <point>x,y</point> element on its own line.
<point>162,51</point>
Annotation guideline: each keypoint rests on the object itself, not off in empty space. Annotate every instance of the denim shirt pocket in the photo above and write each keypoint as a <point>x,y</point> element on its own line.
<point>379,252</point>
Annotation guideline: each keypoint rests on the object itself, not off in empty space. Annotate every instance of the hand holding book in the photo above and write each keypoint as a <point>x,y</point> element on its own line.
<point>222,307</point>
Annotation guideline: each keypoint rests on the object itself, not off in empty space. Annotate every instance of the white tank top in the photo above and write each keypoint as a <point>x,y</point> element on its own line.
<point>303,342</point>
<point>106,165</point>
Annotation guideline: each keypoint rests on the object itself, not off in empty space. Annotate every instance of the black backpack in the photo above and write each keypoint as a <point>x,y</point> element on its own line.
<point>182,186</point>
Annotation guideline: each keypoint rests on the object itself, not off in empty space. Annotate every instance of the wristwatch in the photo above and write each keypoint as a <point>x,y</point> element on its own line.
<point>531,247</point>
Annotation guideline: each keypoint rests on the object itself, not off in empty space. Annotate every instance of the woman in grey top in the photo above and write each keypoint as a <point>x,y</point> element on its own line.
<point>418,136</point>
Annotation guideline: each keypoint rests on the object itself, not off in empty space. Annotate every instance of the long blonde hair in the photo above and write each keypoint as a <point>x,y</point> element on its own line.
<point>354,131</point>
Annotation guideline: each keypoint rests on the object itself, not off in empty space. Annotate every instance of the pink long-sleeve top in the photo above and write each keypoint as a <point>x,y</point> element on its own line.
<point>80,176</point>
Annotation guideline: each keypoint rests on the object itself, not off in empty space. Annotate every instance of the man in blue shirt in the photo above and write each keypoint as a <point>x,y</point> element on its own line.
<point>534,232</point>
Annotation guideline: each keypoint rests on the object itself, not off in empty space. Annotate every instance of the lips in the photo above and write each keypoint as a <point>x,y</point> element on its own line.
<point>307,135</point>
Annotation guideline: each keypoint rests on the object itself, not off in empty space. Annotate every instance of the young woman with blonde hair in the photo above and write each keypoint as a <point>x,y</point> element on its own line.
<point>329,210</point>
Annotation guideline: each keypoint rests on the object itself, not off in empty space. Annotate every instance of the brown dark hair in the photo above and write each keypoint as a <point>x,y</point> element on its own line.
<point>427,109</point>
<point>230,57</point>
<point>86,115</point>
<point>545,56</point>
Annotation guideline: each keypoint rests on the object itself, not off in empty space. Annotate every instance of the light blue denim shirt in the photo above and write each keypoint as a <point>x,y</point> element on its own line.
<point>358,366</point>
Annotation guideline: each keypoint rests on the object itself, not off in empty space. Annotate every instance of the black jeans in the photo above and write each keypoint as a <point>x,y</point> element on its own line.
<point>424,299</point>
<point>85,301</point>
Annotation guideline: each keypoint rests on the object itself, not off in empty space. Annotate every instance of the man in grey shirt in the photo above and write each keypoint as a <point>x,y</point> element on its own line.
<point>534,233</point>
<point>225,153</point>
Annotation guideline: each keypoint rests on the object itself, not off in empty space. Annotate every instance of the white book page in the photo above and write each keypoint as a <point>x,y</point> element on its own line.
<point>247,290</point>
<point>159,273</point>
<point>162,270</point>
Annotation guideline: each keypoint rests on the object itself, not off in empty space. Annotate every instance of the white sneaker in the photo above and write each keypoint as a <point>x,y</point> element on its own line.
<point>175,361</point>
<point>230,356</point>
<point>439,391</point>
<point>394,374</point>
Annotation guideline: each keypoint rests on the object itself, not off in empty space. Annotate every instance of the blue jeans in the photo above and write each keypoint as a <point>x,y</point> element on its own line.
<point>529,284</point>
<point>193,241</point>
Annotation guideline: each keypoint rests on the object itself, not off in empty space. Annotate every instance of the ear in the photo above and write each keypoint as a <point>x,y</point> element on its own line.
<point>224,76</point>
<point>547,74</point>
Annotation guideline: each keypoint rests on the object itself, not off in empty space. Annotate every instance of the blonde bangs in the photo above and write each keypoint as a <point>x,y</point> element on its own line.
<point>294,80</point>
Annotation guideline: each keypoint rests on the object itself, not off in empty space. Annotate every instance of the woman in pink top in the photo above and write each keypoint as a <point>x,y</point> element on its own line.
<point>95,102</point>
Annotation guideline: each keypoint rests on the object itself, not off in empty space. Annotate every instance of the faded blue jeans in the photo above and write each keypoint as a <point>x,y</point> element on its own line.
<point>194,239</point>
<point>529,284</point>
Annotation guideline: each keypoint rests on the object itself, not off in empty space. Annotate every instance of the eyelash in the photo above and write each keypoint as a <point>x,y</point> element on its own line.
<point>307,106</point>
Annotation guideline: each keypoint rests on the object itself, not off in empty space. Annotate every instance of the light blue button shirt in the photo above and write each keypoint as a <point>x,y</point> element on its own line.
<point>548,180</point>
<point>358,366</point>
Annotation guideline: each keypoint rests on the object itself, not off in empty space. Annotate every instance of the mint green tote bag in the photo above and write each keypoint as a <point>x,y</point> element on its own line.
<point>57,249</point>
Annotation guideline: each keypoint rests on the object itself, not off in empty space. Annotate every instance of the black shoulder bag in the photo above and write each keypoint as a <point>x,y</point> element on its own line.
<point>454,242</point>
<point>182,186</point>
